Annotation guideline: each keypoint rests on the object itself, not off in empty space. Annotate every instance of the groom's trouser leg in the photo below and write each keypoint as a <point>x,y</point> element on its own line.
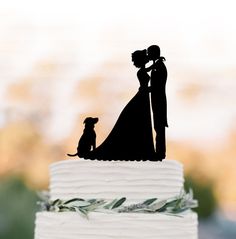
<point>160,141</point>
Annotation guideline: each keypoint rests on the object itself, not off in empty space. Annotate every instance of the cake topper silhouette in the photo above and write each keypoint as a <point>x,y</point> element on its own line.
<point>88,138</point>
<point>131,138</point>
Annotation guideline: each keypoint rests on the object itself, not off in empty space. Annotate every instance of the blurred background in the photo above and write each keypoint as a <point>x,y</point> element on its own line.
<point>61,61</point>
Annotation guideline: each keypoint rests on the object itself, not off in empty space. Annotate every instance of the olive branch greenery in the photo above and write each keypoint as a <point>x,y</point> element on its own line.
<point>172,206</point>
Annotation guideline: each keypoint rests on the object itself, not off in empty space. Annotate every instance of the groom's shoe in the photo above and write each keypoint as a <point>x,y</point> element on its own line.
<point>158,157</point>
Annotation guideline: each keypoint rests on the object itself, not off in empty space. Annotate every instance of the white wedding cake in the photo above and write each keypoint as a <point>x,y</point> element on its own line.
<point>92,199</point>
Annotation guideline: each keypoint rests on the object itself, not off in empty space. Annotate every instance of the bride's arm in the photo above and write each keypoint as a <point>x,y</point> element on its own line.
<point>150,67</point>
<point>154,65</point>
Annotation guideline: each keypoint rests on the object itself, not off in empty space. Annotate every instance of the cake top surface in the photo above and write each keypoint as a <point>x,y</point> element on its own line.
<point>165,163</point>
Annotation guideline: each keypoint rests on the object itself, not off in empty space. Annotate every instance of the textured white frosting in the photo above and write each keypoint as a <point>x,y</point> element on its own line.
<point>70,225</point>
<point>134,180</point>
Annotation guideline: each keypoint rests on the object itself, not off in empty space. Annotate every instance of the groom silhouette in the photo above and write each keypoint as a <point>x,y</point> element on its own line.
<point>158,99</point>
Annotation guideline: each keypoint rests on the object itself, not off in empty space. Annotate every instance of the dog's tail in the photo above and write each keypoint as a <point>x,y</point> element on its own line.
<point>72,155</point>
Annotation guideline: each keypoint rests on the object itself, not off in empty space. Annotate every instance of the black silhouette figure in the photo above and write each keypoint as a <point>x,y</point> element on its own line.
<point>88,139</point>
<point>158,99</point>
<point>131,138</point>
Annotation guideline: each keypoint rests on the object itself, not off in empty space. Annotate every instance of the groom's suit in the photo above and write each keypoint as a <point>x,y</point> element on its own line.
<point>159,106</point>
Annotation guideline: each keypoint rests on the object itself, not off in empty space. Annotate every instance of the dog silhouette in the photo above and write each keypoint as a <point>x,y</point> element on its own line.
<point>87,141</point>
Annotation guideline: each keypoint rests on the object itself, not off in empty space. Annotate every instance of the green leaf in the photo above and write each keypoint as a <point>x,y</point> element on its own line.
<point>83,212</point>
<point>77,203</point>
<point>158,205</point>
<point>56,202</point>
<point>110,205</point>
<point>74,199</point>
<point>179,210</point>
<point>149,201</point>
<point>169,205</point>
<point>119,203</point>
<point>92,201</point>
<point>77,209</point>
<point>94,206</point>
<point>63,207</point>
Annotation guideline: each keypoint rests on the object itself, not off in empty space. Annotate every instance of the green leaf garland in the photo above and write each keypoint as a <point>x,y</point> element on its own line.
<point>173,206</point>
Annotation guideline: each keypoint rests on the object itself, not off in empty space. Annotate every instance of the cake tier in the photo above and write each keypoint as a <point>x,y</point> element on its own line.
<point>70,225</point>
<point>137,181</point>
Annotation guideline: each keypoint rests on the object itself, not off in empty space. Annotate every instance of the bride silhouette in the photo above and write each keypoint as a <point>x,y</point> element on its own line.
<point>131,137</point>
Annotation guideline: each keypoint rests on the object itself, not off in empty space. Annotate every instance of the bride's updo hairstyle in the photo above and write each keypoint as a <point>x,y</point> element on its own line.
<point>140,58</point>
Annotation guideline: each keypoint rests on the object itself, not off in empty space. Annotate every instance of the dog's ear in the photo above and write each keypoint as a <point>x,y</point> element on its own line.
<point>86,120</point>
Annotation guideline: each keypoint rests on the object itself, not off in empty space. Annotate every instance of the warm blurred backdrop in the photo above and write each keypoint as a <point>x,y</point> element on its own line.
<point>61,61</point>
